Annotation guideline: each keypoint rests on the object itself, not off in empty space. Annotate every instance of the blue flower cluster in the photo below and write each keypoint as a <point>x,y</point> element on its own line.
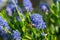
<point>27,5</point>
<point>5,29</point>
<point>37,21</point>
<point>11,7</point>
<point>4,24</point>
<point>16,35</point>
<point>44,7</point>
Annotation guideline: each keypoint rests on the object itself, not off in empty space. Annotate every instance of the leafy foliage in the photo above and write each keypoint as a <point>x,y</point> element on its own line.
<point>23,24</point>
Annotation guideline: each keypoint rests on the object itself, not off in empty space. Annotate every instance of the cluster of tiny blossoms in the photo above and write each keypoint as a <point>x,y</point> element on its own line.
<point>37,21</point>
<point>5,31</point>
<point>27,5</point>
<point>4,28</point>
<point>10,8</point>
<point>16,35</point>
<point>44,7</point>
<point>36,18</point>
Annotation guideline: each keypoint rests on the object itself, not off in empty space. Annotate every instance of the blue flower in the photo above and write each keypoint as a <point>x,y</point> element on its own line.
<point>12,4</point>
<point>16,35</point>
<point>3,24</point>
<point>27,5</point>
<point>4,28</point>
<point>44,7</point>
<point>8,11</point>
<point>37,21</point>
<point>11,8</point>
<point>5,35</point>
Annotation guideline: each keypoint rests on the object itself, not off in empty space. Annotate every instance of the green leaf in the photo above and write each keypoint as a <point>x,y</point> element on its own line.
<point>58,21</point>
<point>52,29</point>
<point>28,36</point>
<point>52,20</point>
<point>24,29</point>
